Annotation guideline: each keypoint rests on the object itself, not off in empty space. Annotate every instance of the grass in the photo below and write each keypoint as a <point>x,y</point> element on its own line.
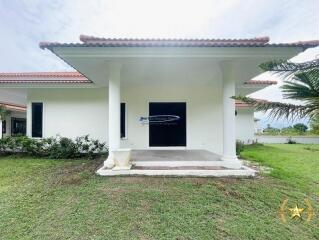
<point>50,199</point>
<point>297,164</point>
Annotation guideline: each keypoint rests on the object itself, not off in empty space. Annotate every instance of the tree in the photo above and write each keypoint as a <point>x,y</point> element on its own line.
<point>302,83</point>
<point>300,127</point>
<point>271,130</point>
<point>289,131</point>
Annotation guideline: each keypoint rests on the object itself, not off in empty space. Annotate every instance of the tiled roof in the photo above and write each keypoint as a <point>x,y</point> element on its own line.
<point>90,41</point>
<point>68,78</point>
<point>43,77</point>
<point>14,107</point>
<point>261,82</point>
<point>241,104</point>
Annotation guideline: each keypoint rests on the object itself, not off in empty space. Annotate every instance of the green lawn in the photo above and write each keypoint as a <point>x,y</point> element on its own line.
<point>52,199</point>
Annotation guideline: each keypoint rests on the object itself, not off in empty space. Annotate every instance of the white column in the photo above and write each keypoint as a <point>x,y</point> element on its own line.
<point>114,127</point>
<point>0,128</point>
<point>229,124</point>
<point>29,116</point>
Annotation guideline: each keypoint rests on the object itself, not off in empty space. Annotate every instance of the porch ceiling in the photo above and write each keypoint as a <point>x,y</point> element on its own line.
<point>170,65</point>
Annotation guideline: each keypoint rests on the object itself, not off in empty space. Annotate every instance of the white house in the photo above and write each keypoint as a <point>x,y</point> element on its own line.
<point>183,87</point>
<point>15,122</point>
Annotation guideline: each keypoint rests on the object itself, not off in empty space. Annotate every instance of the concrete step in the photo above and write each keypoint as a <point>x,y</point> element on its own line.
<point>179,172</point>
<point>217,163</point>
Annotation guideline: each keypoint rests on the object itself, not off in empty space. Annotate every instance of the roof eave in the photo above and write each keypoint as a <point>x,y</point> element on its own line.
<point>47,85</point>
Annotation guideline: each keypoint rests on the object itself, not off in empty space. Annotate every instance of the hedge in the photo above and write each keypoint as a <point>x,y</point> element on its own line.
<point>54,147</point>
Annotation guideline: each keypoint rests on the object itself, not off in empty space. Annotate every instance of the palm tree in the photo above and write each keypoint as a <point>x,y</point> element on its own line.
<point>302,83</point>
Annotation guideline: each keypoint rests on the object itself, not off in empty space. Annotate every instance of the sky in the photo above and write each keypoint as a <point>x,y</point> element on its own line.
<point>25,23</point>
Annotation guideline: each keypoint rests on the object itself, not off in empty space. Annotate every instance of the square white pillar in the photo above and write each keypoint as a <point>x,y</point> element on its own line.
<point>229,121</point>
<point>0,128</point>
<point>114,112</point>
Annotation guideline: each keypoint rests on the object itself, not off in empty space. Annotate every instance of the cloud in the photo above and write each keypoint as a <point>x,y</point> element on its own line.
<point>24,23</point>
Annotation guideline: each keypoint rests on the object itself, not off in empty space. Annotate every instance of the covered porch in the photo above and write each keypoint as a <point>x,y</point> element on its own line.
<point>201,75</point>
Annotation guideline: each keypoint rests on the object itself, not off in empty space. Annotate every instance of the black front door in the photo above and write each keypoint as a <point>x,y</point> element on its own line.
<point>167,124</point>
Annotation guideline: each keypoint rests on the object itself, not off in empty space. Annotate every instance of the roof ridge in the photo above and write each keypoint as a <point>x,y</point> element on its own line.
<point>261,81</point>
<point>91,41</point>
<point>87,39</point>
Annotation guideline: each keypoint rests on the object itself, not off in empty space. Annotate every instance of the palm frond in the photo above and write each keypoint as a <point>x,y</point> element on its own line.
<point>279,110</point>
<point>288,66</point>
<point>304,86</point>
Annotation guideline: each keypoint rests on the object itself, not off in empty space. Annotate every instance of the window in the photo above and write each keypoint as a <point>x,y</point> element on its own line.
<point>37,119</point>
<point>123,120</point>
<point>4,127</point>
<point>18,126</point>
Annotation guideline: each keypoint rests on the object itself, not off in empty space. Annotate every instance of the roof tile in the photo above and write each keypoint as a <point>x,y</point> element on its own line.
<point>260,82</point>
<point>43,77</point>
<point>90,41</point>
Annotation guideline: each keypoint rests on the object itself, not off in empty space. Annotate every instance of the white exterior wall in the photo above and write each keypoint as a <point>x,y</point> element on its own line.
<point>245,126</point>
<point>76,112</point>
<point>71,112</point>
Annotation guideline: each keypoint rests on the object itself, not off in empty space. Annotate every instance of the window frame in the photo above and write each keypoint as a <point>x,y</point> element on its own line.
<point>125,121</point>
<point>42,119</point>
<point>13,119</point>
<point>4,127</point>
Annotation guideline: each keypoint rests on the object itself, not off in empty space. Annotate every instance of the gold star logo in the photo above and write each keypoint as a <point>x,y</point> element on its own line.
<point>296,212</point>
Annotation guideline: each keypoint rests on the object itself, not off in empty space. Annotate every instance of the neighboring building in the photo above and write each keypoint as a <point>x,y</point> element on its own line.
<point>246,123</point>
<point>124,81</point>
<point>245,128</point>
<point>15,123</point>
<point>257,127</point>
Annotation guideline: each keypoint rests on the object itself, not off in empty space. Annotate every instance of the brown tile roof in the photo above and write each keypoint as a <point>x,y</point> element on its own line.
<point>90,41</point>
<point>13,106</point>
<point>68,78</point>
<point>260,82</point>
<point>43,77</point>
<point>241,104</point>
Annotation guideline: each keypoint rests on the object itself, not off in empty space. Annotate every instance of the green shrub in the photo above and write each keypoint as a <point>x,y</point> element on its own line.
<point>54,147</point>
<point>239,147</point>
<point>290,141</point>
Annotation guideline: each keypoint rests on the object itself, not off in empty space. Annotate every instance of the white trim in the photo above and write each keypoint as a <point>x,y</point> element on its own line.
<point>1,128</point>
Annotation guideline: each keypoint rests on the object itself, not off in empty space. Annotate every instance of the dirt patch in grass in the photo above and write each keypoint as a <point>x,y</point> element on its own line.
<point>311,149</point>
<point>74,173</point>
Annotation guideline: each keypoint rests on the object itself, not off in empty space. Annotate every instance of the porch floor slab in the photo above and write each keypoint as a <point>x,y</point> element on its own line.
<point>193,163</point>
<point>174,155</point>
